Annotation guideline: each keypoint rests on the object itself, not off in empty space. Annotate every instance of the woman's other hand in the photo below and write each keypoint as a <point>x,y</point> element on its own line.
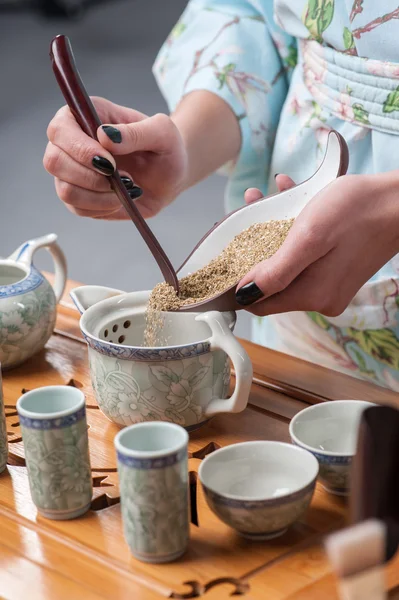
<point>344,235</point>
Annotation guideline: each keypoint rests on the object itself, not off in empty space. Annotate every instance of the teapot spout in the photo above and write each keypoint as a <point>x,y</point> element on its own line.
<point>87,295</point>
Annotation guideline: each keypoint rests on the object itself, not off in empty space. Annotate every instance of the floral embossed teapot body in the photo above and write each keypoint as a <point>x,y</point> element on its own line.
<point>28,301</point>
<point>185,381</point>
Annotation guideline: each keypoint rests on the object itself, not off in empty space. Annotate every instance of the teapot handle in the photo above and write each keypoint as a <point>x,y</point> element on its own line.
<point>24,254</point>
<point>223,339</point>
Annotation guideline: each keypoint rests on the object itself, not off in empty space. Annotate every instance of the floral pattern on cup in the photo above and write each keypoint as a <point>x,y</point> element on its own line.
<point>58,464</point>
<point>177,391</point>
<point>26,322</point>
<point>3,433</point>
<point>335,473</point>
<point>154,501</point>
<point>261,518</point>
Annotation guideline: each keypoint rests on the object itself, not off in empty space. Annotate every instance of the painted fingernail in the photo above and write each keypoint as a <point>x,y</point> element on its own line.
<point>248,294</point>
<point>103,165</point>
<point>113,133</point>
<point>127,182</point>
<point>135,192</point>
<point>275,175</point>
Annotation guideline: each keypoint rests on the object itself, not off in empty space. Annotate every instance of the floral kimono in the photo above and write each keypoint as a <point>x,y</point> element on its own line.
<point>291,70</point>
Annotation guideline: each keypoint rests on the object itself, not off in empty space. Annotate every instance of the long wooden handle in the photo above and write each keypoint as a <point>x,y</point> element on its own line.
<point>83,110</point>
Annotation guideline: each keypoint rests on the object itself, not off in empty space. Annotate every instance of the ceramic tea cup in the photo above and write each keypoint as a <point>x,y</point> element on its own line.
<point>27,301</point>
<point>259,488</point>
<point>3,431</point>
<point>186,381</point>
<point>153,477</point>
<point>54,433</point>
<point>329,431</point>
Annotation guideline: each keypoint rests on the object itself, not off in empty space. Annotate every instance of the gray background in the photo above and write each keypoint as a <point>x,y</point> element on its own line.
<point>115,46</point>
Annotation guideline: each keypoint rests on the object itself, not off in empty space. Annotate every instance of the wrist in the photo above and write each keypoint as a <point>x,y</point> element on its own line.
<point>210,133</point>
<point>385,191</point>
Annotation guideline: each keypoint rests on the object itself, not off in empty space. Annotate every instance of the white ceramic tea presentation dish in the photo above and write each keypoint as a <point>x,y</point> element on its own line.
<point>329,430</point>
<point>284,205</point>
<point>259,488</point>
<point>28,301</point>
<point>185,381</point>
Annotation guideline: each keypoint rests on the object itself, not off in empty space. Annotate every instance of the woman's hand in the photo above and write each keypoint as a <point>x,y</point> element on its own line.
<point>149,151</point>
<point>162,155</point>
<point>346,233</point>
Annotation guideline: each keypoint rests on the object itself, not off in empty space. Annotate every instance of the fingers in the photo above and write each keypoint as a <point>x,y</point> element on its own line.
<point>252,195</point>
<point>83,199</point>
<point>117,215</point>
<point>109,112</point>
<point>61,165</point>
<point>64,132</point>
<point>284,182</point>
<point>101,206</point>
<point>155,134</point>
<point>302,247</point>
<point>315,289</point>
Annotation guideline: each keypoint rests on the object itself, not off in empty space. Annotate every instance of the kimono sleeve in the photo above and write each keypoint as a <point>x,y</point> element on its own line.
<point>234,49</point>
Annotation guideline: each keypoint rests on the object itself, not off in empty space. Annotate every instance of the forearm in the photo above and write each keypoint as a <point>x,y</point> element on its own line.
<point>210,132</point>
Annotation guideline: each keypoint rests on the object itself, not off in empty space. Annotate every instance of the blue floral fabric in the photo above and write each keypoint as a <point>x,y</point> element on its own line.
<point>291,70</point>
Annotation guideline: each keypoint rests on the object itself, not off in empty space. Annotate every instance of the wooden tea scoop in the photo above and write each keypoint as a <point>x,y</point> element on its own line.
<point>284,205</point>
<point>359,553</point>
<point>83,110</point>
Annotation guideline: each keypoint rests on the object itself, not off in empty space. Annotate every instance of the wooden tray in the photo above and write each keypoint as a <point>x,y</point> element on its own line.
<point>88,557</point>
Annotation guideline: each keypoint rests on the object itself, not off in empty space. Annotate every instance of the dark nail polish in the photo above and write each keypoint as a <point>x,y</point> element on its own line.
<point>103,165</point>
<point>127,182</point>
<point>113,133</point>
<point>275,175</point>
<point>248,294</point>
<point>135,192</point>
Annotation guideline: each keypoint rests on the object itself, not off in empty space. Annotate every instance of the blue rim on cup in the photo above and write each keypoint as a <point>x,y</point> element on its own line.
<point>54,432</point>
<point>37,409</point>
<point>329,431</point>
<point>153,475</point>
<point>148,455</point>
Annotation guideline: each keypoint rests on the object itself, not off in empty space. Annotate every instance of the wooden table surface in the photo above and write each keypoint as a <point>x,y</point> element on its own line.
<point>88,558</point>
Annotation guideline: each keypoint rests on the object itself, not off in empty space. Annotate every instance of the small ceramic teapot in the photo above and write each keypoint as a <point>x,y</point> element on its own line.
<point>28,301</point>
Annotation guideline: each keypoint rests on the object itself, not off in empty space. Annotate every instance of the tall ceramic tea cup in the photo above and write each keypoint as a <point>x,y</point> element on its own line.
<point>153,477</point>
<point>3,431</point>
<point>184,379</point>
<point>54,433</point>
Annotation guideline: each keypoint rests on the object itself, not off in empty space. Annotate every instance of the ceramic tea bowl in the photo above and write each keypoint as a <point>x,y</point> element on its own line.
<point>259,488</point>
<point>186,381</point>
<point>329,431</point>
